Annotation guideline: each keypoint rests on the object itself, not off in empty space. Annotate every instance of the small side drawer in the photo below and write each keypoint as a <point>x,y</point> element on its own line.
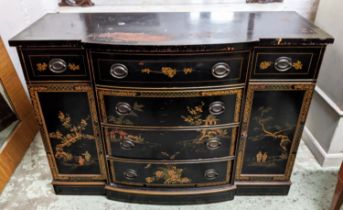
<point>55,64</point>
<point>170,144</point>
<point>286,62</point>
<point>163,108</point>
<point>169,69</point>
<point>170,174</point>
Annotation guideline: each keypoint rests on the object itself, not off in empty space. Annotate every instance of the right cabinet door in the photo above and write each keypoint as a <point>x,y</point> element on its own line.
<point>273,121</point>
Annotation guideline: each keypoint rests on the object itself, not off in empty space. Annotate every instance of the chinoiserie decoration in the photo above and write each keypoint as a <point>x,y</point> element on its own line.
<point>168,71</point>
<point>297,65</point>
<point>275,133</point>
<point>168,175</point>
<point>42,67</point>
<point>71,134</point>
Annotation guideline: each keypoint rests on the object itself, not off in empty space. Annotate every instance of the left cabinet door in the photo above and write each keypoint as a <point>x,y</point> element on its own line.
<point>68,119</point>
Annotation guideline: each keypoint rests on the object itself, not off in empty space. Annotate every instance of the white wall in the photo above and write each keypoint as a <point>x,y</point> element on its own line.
<point>330,18</point>
<point>324,127</point>
<point>15,15</point>
<point>304,7</point>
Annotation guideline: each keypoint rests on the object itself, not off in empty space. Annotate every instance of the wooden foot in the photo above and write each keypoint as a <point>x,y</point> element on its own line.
<point>338,196</point>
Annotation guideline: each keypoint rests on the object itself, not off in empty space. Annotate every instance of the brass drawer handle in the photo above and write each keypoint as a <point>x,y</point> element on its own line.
<point>57,65</point>
<point>211,174</point>
<point>221,70</point>
<point>213,143</point>
<point>283,64</point>
<point>130,174</point>
<point>123,108</point>
<point>119,71</point>
<point>216,108</point>
<point>127,144</point>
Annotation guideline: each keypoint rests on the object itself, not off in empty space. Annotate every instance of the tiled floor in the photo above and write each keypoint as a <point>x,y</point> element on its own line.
<point>30,189</point>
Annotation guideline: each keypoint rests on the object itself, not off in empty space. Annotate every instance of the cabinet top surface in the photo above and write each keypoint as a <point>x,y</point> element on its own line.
<point>171,29</point>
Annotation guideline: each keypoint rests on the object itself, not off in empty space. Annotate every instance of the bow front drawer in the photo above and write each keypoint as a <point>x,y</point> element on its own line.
<point>170,174</point>
<point>286,62</point>
<point>170,144</point>
<point>55,64</point>
<point>198,108</point>
<point>169,69</point>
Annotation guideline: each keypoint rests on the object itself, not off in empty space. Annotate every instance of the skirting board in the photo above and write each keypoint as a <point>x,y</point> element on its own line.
<point>324,159</point>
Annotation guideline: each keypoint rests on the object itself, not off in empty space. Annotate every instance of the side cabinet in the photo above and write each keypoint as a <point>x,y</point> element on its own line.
<point>273,121</point>
<point>69,126</point>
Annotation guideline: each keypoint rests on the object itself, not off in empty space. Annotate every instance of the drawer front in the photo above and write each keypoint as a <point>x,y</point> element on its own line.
<point>145,173</point>
<point>169,70</point>
<point>272,126</point>
<point>170,108</point>
<point>283,63</point>
<point>69,127</point>
<point>55,64</point>
<point>161,144</point>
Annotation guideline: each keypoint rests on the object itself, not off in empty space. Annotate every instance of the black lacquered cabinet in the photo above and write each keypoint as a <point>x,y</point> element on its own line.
<point>171,108</point>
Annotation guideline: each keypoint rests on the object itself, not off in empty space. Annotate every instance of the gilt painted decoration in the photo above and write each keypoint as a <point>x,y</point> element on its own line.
<point>273,120</point>
<point>168,175</point>
<point>67,137</point>
<point>70,132</point>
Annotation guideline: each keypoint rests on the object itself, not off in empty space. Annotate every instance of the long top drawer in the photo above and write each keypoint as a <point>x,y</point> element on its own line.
<point>169,69</point>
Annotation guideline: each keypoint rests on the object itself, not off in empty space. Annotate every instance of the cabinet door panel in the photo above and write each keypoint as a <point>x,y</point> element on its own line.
<point>273,120</point>
<point>69,127</point>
